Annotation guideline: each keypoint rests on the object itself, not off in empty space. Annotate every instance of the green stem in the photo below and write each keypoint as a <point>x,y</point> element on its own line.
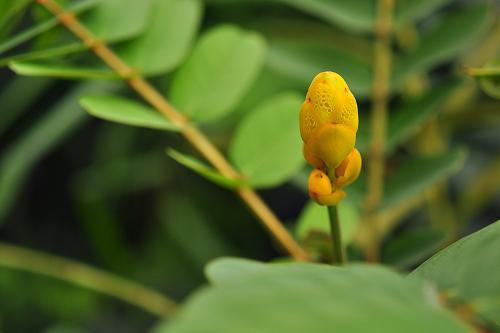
<point>16,257</point>
<point>339,257</point>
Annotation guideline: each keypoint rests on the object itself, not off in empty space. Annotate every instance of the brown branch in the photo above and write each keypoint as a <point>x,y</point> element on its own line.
<point>380,91</point>
<point>191,133</point>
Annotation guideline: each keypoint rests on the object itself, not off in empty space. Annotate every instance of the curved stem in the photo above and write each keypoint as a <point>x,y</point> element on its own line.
<point>339,257</point>
<point>190,132</point>
<point>20,258</point>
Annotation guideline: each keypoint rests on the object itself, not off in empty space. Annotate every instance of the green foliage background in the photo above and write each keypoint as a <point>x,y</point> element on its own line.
<point>84,171</point>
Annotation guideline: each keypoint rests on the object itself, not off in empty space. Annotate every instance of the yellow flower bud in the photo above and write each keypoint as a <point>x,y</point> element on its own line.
<point>328,126</point>
<point>321,190</point>
<point>349,169</point>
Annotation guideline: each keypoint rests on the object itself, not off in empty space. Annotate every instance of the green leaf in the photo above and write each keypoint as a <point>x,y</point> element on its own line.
<point>12,106</point>
<point>410,116</point>
<point>314,218</point>
<point>48,53</point>
<point>221,68</point>
<point>418,174</point>
<point>61,71</point>
<point>22,155</point>
<point>359,16</point>
<point>301,60</point>
<point>204,170</point>
<point>410,10</point>
<point>167,39</point>
<point>114,20</point>
<point>266,147</point>
<point>468,271</point>
<point>455,33</point>
<point>411,247</point>
<point>312,298</point>
<point>489,78</point>
<point>44,26</point>
<point>125,111</point>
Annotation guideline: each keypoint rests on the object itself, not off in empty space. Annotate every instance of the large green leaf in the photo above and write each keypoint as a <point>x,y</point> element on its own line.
<point>311,298</point>
<point>456,32</point>
<point>166,41</point>
<point>125,111</point>
<point>469,271</point>
<point>22,155</point>
<point>300,60</point>
<point>219,71</point>
<point>266,147</point>
<point>418,174</point>
<point>115,20</point>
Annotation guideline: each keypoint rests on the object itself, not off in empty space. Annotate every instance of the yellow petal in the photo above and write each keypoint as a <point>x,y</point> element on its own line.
<point>319,183</point>
<point>331,144</point>
<point>349,171</point>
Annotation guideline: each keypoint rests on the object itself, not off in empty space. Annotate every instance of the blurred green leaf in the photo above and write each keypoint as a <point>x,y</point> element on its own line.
<point>114,20</point>
<point>301,60</point>
<point>359,16</point>
<point>189,227</point>
<point>204,170</point>
<point>8,8</point>
<point>44,26</point>
<point>167,39</point>
<point>12,106</point>
<point>22,155</point>
<point>48,53</point>
<point>410,116</point>
<point>314,218</point>
<point>408,11</point>
<point>455,33</point>
<point>266,147</point>
<point>225,270</point>
<point>312,298</point>
<point>418,174</point>
<point>468,271</point>
<point>489,78</point>
<point>221,68</point>
<point>126,111</point>
<point>413,246</point>
<point>61,71</point>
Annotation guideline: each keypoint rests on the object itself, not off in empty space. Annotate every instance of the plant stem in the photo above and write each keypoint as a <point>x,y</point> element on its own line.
<point>16,257</point>
<point>339,257</point>
<point>190,132</point>
<point>381,85</point>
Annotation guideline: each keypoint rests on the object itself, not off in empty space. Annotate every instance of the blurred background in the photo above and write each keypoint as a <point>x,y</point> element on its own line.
<point>107,194</point>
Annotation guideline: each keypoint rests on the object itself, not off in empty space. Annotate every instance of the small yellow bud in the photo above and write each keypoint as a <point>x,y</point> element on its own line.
<point>319,183</point>
<point>321,190</point>
<point>349,170</point>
